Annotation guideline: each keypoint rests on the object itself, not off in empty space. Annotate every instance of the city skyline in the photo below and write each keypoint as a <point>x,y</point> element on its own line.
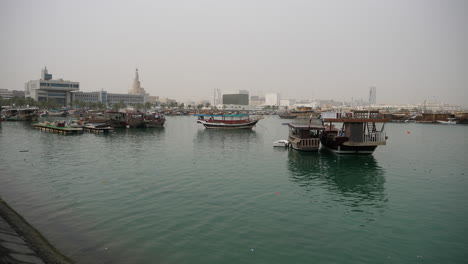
<point>410,51</point>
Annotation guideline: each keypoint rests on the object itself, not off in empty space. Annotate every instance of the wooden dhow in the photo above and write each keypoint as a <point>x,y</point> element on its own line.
<point>232,121</point>
<point>358,134</point>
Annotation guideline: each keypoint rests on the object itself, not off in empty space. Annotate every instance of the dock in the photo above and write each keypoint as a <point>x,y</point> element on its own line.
<point>98,129</point>
<point>58,130</point>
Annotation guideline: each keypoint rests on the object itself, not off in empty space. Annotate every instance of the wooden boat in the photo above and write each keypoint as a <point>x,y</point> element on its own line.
<point>153,120</point>
<point>61,113</point>
<point>20,114</point>
<point>138,119</point>
<point>232,121</point>
<point>302,112</point>
<point>287,116</point>
<point>114,119</point>
<point>305,137</point>
<point>358,134</point>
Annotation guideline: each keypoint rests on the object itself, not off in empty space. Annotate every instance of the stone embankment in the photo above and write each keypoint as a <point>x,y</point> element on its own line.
<point>22,243</point>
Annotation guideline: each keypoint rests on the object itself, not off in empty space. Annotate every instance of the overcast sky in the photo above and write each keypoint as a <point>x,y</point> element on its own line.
<point>411,50</point>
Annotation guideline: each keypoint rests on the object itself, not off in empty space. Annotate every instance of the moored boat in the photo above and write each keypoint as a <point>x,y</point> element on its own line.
<point>449,121</point>
<point>358,134</point>
<point>114,119</point>
<point>153,120</point>
<point>232,121</point>
<point>139,119</point>
<point>20,114</point>
<point>281,143</point>
<point>304,137</point>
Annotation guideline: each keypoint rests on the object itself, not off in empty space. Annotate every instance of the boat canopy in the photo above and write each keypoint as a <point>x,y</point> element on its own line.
<point>236,115</point>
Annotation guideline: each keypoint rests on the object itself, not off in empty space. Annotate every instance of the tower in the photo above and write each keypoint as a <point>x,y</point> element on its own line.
<point>45,74</point>
<point>136,88</point>
<point>372,96</point>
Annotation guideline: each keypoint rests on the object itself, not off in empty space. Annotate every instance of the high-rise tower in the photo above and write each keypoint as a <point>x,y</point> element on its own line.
<point>372,96</point>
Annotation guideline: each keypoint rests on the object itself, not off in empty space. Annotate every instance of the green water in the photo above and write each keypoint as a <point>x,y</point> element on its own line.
<point>184,194</point>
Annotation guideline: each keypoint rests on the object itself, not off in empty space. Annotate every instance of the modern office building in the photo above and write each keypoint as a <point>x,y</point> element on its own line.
<point>108,98</point>
<point>240,97</point>
<point>372,96</point>
<point>47,89</point>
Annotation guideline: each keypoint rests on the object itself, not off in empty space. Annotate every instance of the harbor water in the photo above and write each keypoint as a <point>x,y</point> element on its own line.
<point>184,194</point>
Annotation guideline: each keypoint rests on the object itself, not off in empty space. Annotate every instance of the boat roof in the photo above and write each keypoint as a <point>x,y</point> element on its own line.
<point>222,115</point>
<point>356,120</point>
<point>305,127</point>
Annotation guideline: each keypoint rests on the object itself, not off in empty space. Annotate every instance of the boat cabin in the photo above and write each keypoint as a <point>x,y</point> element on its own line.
<point>304,137</point>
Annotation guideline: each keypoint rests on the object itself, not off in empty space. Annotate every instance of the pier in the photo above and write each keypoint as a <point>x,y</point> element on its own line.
<point>98,130</point>
<point>59,130</point>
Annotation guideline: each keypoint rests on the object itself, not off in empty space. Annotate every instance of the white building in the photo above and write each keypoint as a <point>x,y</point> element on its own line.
<point>47,89</point>
<point>272,99</point>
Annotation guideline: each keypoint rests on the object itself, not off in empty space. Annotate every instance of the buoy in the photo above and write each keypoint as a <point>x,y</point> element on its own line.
<point>407,132</point>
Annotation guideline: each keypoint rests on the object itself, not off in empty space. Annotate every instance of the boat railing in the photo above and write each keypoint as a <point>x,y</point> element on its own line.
<point>375,137</point>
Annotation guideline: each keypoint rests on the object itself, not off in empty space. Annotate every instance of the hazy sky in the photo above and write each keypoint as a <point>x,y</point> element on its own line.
<point>410,50</point>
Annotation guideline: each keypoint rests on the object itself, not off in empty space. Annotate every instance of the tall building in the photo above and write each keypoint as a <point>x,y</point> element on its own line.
<point>136,86</point>
<point>217,99</point>
<point>372,96</point>
<point>272,99</point>
<point>48,89</point>
<point>240,97</point>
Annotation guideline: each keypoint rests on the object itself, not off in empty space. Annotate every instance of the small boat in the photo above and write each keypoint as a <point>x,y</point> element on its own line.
<point>98,127</point>
<point>287,116</point>
<point>232,121</point>
<point>358,134</point>
<point>450,121</point>
<point>153,120</point>
<point>281,143</point>
<point>59,112</point>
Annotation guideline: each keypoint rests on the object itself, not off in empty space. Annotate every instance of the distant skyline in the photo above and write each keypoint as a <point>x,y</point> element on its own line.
<point>410,50</point>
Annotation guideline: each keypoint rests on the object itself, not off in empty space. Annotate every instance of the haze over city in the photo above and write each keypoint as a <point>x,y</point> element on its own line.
<point>410,50</point>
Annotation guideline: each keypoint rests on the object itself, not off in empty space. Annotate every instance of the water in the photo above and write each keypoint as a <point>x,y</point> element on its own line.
<point>184,194</point>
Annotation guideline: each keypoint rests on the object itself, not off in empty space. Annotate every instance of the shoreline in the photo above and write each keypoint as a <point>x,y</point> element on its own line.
<point>23,239</point>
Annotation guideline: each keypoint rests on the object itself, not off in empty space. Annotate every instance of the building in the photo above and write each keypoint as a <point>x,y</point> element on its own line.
<point>48,89</point>
<point>240,97</point>
<point>272,99</point>
<point>372,96</point>
<point>217,99</point>
<point>108,98</point>
<point>257,100</point>
<point>7,94</point>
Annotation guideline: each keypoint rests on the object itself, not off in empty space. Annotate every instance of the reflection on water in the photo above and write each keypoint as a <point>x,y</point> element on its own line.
<point>225,138</point>
<point>357,177</point>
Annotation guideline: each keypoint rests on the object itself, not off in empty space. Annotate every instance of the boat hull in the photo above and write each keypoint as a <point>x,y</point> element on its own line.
<point>149,124</point>
<point>219,125</point>
<point>340,148</point>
